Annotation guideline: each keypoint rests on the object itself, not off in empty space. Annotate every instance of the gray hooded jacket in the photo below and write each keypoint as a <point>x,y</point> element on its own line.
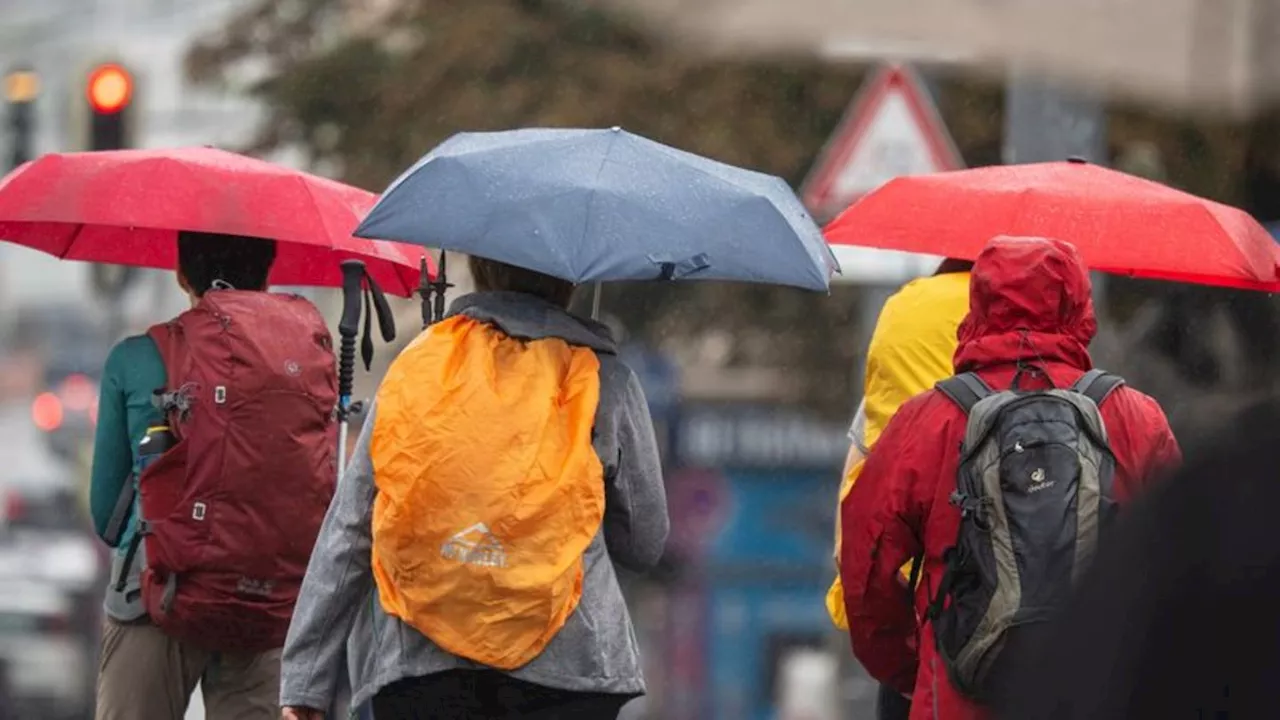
<point>596,650</point>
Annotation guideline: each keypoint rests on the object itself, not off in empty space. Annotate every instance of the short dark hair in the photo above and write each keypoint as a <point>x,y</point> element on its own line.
<point>237,260</point>
<point>491,275</point>
<point>953,265</point>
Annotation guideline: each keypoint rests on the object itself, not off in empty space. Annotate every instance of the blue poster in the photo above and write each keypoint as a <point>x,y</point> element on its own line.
<point>753,510</point>
<point>752,627</point>
<point>778,524</point>
<point>768,565</point>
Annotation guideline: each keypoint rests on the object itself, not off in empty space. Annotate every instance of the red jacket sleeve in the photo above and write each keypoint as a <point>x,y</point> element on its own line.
<point>882,520</point>
<point>1140,436</point>
<point>1163,455</point>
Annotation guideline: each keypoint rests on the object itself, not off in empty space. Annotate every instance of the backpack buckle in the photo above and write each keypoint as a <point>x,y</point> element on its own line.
<point>968,505</point>
<point>178,401</point>
<point>971,507</point>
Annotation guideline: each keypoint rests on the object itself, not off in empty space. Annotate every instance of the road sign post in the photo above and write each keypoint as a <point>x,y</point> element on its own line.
<point>1044,123</point>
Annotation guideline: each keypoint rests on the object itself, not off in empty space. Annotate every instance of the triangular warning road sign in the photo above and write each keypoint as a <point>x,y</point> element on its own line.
<point>891,128</point>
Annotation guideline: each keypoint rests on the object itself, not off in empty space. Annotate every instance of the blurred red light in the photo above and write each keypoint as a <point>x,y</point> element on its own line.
<point>77,393</point>
<point>109,89</point>
<point>13,506</point>
<point>46,412</point>
<point>55,624</point>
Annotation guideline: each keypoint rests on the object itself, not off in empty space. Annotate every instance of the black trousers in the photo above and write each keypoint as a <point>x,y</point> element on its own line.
<point>892,706</point>
<point>489,695</point>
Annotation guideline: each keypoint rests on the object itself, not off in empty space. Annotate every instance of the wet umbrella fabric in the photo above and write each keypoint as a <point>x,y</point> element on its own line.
<point>1120,223</point>
<point>603,205</point>
<point>125,207</point>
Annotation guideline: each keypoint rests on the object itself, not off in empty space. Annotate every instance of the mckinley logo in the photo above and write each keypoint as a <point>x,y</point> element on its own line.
<point>476,545</point>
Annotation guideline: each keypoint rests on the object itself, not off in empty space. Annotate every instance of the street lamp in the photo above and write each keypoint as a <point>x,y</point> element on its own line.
<point>22,87</point>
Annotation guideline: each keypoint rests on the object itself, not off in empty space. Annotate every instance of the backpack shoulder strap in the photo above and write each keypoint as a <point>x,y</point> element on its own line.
<point>165,337</point>
<point>965,390</point>
<point>1097,385</point>
<point>169,344</point>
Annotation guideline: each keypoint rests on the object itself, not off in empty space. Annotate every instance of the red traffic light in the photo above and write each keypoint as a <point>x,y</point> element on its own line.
<point>110,88</point>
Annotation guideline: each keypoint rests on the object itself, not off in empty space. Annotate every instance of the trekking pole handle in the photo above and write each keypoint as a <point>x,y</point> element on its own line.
<point>353,274</point>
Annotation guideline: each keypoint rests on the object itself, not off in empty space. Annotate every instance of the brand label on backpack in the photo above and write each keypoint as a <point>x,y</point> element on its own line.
<point>477,545</point>
<point>1034,489</point>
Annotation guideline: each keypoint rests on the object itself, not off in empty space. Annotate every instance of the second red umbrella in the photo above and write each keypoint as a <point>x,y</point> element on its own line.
<point>125,207</point>
<point>1120,223</point>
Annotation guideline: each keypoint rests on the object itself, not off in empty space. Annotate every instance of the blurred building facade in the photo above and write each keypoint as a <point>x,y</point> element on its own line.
<point>61,41</point>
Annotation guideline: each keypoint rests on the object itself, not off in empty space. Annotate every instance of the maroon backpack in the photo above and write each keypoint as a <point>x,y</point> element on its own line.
<point>231,512</point>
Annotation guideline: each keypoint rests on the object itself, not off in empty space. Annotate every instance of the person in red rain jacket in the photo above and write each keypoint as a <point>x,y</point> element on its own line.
<point>1029,305</point>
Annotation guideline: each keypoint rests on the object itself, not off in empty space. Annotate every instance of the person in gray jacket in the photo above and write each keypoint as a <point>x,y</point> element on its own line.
<point>591,667</point>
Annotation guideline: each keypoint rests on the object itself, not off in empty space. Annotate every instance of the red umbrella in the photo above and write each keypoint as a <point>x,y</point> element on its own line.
<point>125,207</point>
<point>1120,223</point>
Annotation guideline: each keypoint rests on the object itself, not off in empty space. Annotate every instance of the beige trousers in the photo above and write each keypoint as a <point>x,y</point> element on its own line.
<point>146,675</point>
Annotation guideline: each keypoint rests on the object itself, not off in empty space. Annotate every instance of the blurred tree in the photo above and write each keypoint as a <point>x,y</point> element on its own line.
<point>1231,163</point>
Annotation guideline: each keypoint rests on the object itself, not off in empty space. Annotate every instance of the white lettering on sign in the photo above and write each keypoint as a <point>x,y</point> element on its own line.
<point>718,439</point>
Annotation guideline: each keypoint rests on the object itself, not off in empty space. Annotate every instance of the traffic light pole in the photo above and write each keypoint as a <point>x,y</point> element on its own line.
<point>110,283</point>
<point>21,89</point>
<point>109,93</point>
<point>19,133</point>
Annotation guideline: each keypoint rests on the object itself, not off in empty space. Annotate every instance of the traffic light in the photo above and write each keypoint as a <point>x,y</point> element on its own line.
<point>21,89</point>
<point>109,90</point>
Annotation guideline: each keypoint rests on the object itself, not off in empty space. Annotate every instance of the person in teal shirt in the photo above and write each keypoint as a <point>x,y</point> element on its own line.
<point>144,673</point>
<point>125,411</point>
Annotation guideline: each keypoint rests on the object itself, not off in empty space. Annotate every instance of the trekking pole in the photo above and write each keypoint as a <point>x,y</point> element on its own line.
<point>353,274</point>
<point>432,291</point>
<point>440,287</point>
<point>424,291</point>
<point>357,282</point>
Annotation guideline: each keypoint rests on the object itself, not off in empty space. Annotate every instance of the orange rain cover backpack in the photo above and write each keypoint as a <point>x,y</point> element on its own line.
<point>488,488</point>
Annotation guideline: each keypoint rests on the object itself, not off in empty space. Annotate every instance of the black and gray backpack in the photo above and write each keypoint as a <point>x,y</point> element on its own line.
<point>1034,489</point>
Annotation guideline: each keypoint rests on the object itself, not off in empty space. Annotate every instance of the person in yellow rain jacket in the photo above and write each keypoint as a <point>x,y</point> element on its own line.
<point>507,464</point>
<point>911,349</point>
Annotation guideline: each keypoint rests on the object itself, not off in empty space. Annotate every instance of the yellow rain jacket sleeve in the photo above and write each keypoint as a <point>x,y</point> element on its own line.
<point>910,351</point>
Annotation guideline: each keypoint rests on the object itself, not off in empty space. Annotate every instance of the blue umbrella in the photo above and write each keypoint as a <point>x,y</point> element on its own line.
<point>603,205</point>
